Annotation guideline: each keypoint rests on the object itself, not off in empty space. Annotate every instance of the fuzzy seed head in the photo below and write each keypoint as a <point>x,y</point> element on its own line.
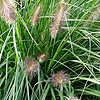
<point>73,98</point>
<point>59,79</point>
<point>42,57</point>
<point>94,16</point>
<point>96,13</point>
<point>35,15</point>
<point>31,65</point>
<point>7,11</point>
<point>58,21</point>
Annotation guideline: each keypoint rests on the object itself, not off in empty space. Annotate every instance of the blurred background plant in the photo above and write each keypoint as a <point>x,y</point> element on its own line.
<point>75,50</point>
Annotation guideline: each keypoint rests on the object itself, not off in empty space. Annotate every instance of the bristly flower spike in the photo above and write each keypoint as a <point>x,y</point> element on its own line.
<point>7,11</point>
<point>94,16</point>
<point>57,21</point>
<point>35,15</point>
<point>31,66</point>
<point>60,78</point>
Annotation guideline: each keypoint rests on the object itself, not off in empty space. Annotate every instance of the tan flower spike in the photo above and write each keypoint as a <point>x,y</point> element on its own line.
<point>35,15</point>
<point>7,11</point>
<point>94,16</point>
<point>58,20</point>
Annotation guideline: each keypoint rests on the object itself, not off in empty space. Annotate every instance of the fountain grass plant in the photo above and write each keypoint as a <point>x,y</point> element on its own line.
<point>75,51</point>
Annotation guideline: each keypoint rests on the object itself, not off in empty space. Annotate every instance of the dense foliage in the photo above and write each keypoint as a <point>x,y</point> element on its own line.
<point>34,65</point>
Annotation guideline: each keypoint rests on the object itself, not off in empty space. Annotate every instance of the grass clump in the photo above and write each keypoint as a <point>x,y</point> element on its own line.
<point>51,40</point>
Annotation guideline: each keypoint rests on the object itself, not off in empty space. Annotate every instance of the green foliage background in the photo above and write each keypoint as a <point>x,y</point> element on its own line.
<point>76,50</point>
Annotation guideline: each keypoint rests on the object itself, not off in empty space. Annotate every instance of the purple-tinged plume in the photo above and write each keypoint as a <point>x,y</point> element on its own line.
<point>31,66</point>
<point>60,78</point>
<point>7,11</point>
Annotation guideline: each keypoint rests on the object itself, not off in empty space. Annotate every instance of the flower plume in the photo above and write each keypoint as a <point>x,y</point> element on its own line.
<point>35,15</point>
<point>59,79</point>
<point>7,11</point>
<point>31,66</point>
<point>95,15</point>
<point>57,21</point>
